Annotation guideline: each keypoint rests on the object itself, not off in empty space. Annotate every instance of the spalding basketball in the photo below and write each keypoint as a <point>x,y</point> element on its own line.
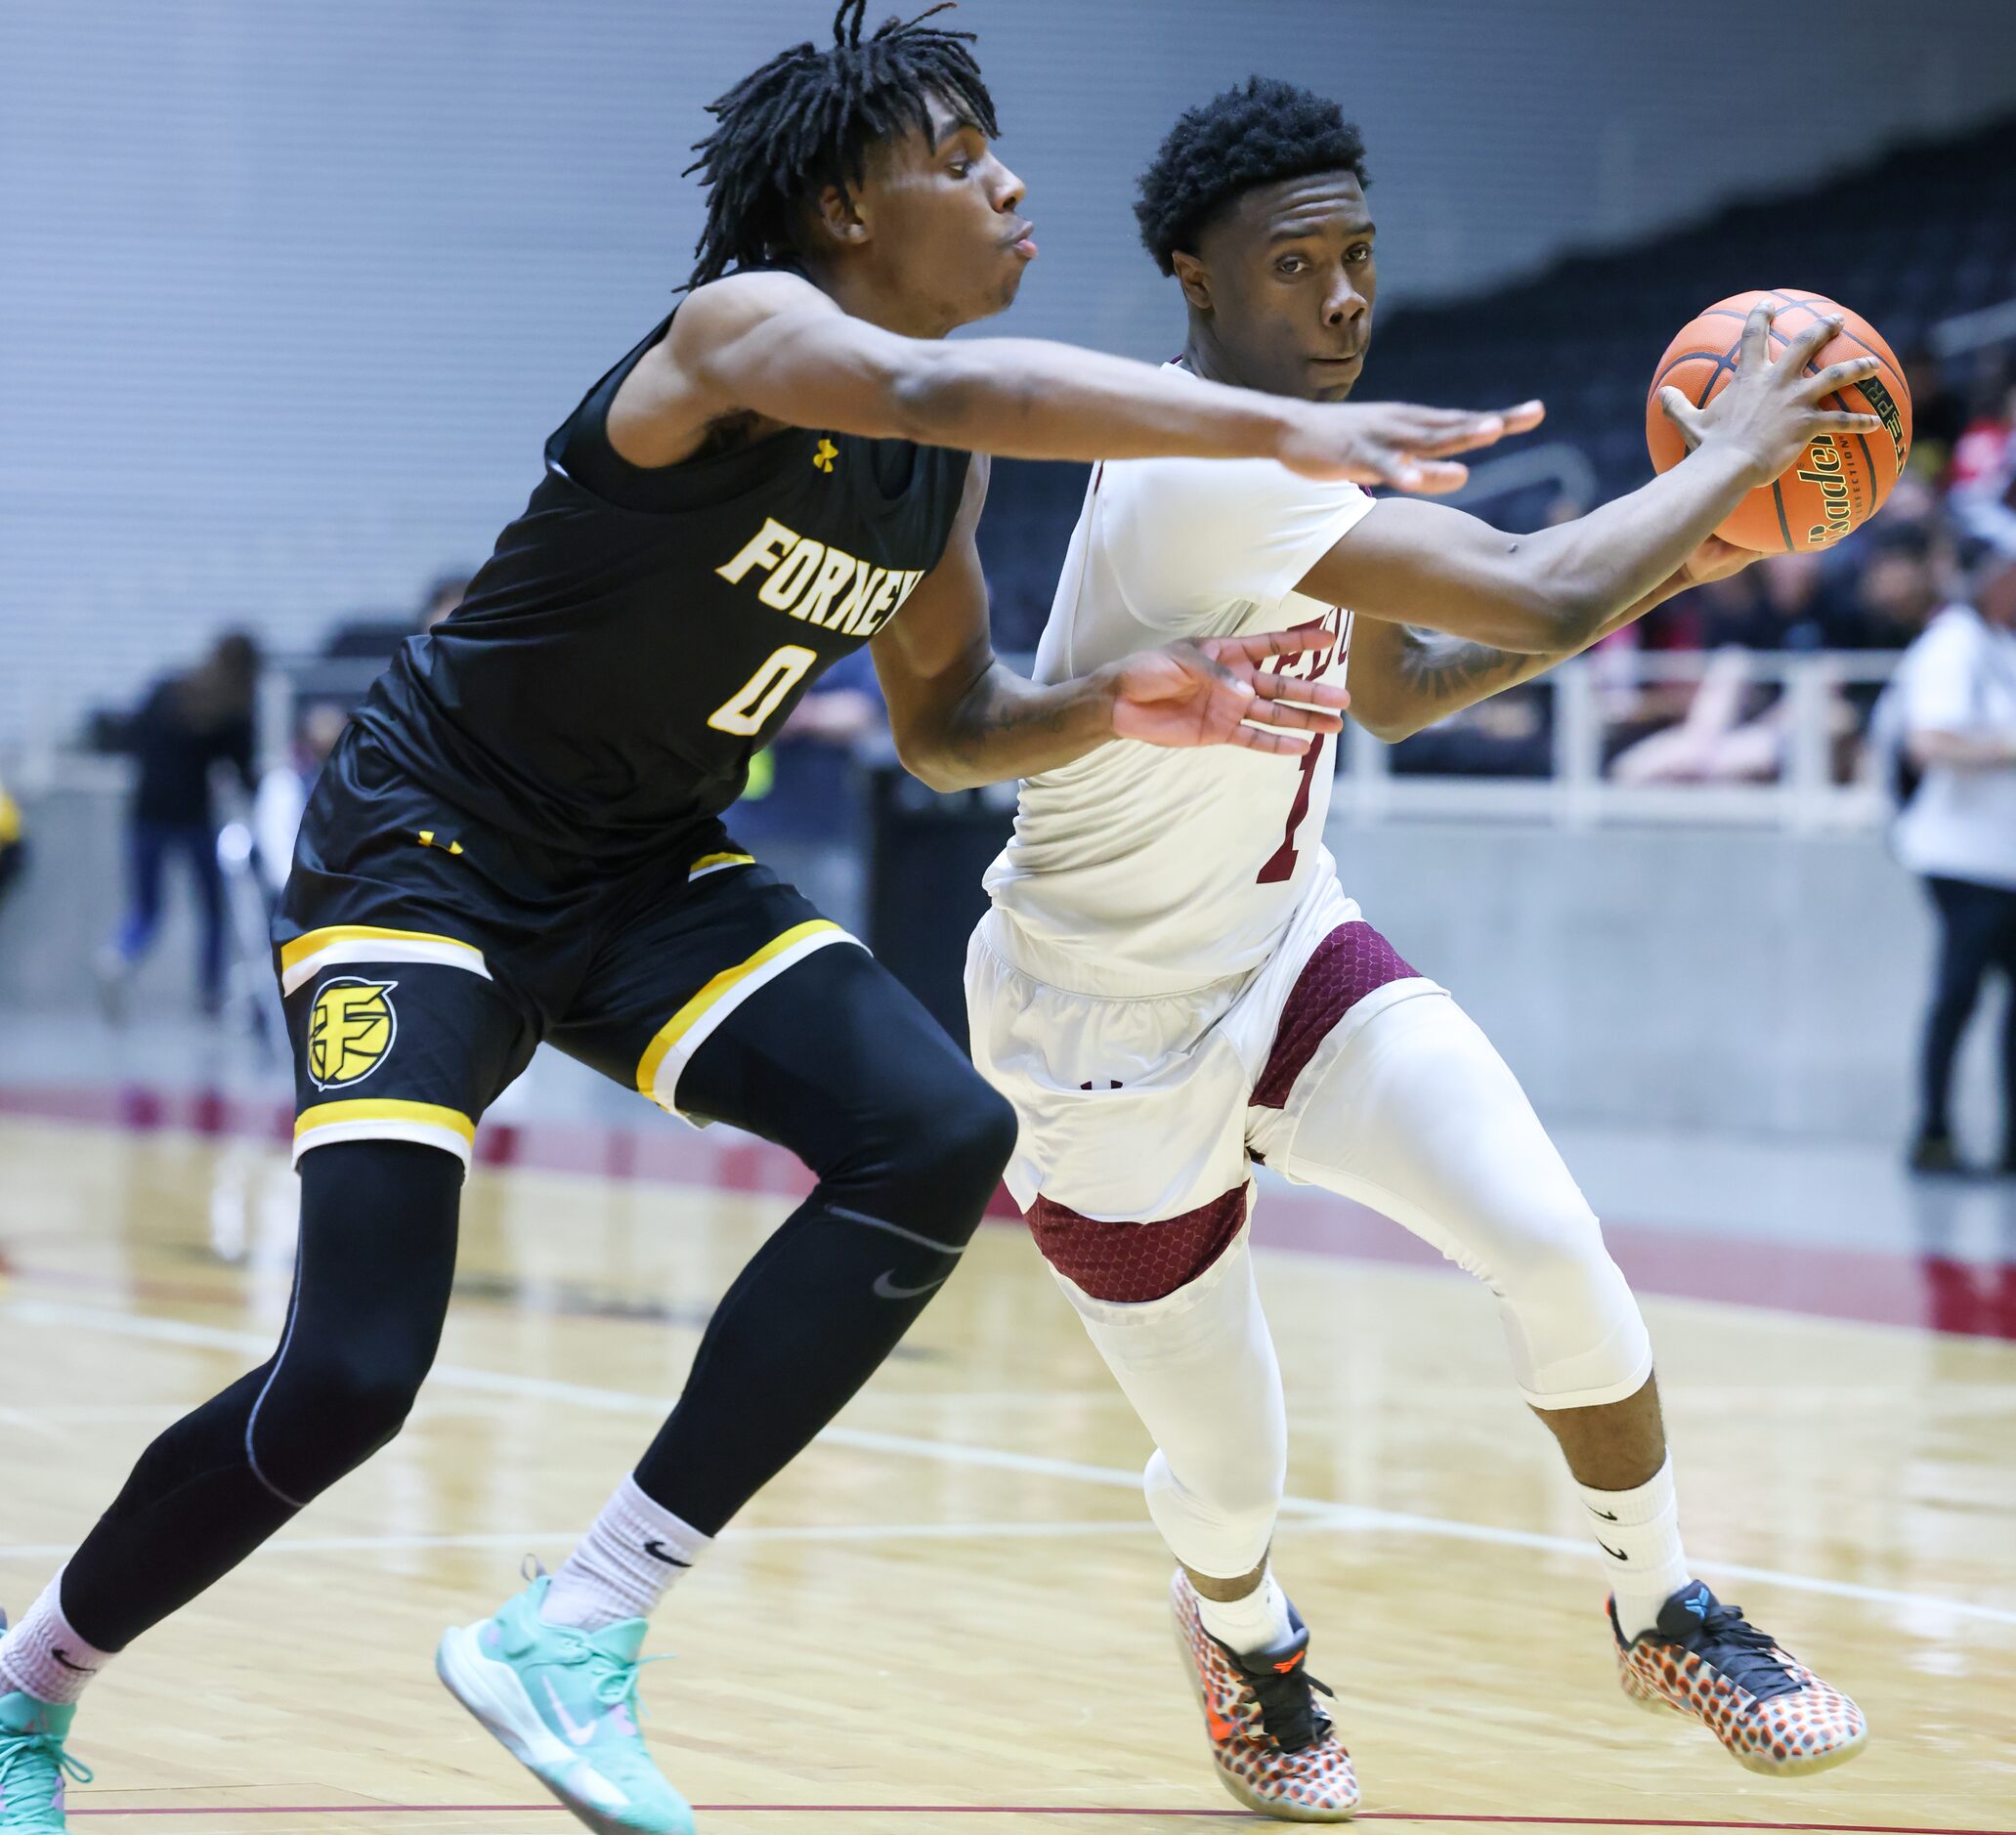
<point>1841,480</point>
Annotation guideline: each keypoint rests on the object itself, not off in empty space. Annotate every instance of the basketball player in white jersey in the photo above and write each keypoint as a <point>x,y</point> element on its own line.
<point>1172,985</point>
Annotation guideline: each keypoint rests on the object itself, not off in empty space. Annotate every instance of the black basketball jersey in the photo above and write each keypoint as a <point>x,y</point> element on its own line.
<point>638,635</point>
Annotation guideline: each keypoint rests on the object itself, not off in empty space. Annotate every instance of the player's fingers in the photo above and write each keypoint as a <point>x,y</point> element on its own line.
<point>1272,687</point>
<point>1847,423</point>
<point>1803,343</point>
<point>1478,430</point>
<point>1682,413</point>
<point>1300,720</point>
<point>1755,350</point>
<point>1258,646</point>
<point>1426,477</point>
<point>1261,739</point>
<point>1842,376</point>
<point>1408,420</point>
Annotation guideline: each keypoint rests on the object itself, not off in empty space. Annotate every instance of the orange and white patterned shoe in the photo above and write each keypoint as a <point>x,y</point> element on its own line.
<point>1705,1658</point>
<point>1274,1748</point>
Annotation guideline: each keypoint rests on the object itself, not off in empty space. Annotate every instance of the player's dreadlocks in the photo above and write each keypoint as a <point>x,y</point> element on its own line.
<point>806,119</point>
<point>1257,134</point>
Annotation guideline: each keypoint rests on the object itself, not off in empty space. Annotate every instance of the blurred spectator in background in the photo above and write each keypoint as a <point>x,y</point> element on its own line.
<point>1952,707</point>
<point>1984,476</point>
<point>1736,729</point>
<point>187,724</point>
<point>1938,412</point>
<point>283,794</point>
<point>379,634</point>
<point>13,847</point>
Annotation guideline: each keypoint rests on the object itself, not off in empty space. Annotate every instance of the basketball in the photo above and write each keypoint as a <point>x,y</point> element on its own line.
<point>1840,481</point>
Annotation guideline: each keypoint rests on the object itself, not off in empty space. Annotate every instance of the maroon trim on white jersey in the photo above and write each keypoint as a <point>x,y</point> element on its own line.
<point>1345,966</point>
<point>1129,1262</point>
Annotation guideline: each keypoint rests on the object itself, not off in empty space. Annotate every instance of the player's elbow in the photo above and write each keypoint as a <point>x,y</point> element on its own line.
<point>1389,728</point>
<point>931,758</point>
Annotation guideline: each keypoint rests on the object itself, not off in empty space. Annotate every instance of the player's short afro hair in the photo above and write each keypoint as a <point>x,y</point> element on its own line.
<point>1259,133</point>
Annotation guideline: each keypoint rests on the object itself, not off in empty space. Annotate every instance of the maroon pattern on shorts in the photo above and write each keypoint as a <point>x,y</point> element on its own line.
<point>1129,1262</point>
<point>1345,968</point>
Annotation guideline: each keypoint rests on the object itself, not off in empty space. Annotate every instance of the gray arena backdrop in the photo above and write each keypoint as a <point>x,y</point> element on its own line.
<point>289,295</point>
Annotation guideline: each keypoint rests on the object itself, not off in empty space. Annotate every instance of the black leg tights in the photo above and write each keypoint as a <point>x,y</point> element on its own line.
<point>837,1061</point>
<point>371,1285</point>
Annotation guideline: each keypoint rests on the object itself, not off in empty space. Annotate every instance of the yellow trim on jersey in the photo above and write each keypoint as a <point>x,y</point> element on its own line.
<point>708,862</point>
<point>305,945</point>
<point>723,985</point>
<point>383,1109</point>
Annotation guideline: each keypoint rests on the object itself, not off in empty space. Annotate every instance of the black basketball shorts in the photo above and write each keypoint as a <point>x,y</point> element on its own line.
<point>422,959</point>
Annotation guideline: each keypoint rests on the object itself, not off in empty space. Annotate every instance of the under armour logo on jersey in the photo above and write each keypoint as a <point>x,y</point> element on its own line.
<point>825,455</point>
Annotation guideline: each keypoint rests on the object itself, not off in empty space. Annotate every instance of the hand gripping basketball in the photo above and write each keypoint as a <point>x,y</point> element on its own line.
<point>1809,399</point>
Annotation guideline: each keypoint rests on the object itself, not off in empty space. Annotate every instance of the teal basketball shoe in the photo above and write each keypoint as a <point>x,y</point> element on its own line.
<point>34,1767</point>
<point>563,1702</point>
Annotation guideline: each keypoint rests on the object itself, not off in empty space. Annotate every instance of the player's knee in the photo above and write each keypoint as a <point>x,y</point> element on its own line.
<point>325,1415</point>
<point>1545,1244</point>
<point>955,1148</point>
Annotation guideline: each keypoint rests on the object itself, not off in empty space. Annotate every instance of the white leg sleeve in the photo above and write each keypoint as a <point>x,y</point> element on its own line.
<point>1199,1367</point>
<point>1414,1114</point>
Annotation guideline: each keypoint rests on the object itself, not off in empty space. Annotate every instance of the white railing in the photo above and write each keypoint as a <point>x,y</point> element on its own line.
<point>1821,773</point>
<point>1560,463</point>
<point>1975,330</point>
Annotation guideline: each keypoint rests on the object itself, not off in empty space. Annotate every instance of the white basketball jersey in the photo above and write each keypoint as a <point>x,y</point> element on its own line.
<point>1180,866</point>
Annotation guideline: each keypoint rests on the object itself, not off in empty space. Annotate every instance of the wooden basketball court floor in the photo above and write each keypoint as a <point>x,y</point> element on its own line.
<point>949,1615</point>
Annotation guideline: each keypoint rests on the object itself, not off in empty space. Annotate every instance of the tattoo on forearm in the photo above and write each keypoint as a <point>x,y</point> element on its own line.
<point>991,710</point>
<point>1446,668</point>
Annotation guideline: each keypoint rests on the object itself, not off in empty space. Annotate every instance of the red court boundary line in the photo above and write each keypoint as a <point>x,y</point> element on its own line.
<point>1879,1287</point>
<point>1062,1809</point>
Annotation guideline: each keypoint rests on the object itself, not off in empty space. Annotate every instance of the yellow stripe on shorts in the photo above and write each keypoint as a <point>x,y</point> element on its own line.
<point>307,945</point>
<point>383,1109</point>
<point>338,945</point>
<point>723,987</point>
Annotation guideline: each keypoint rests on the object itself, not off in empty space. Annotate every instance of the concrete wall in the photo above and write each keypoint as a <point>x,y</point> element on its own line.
<point>1658,977</point>
<point>1711,978</point>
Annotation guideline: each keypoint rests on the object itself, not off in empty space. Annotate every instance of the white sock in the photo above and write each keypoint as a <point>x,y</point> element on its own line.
<point>43,1656</point>
<point>636,1549</point>
<point>1639,1533</point>
<point>1258,1622</point>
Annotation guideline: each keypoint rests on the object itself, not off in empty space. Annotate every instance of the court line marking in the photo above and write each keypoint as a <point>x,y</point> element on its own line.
<point>284,1542</point>
<point>1307,1511</point>
<point>1059,1808</point>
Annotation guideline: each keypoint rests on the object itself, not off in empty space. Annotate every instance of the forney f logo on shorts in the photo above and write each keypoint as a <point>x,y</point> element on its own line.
<point>350,1031</point>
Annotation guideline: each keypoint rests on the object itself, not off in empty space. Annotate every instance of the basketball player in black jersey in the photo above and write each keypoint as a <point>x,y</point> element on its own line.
<point>520,838</point>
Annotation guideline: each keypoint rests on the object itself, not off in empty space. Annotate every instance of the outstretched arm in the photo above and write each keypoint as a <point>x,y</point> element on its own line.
<point>774,346</point>
<point>961,717</point>
<point>1554,592</point>
<point>1403,678</point>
